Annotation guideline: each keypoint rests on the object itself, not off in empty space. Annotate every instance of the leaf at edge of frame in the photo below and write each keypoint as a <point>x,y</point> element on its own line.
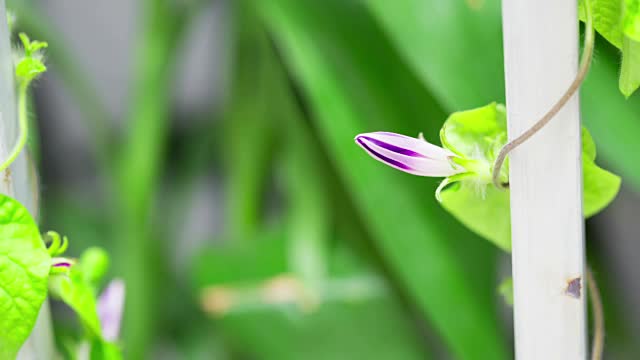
<point>24,270</point>
<point>631,20</point>
<point>607,19</point>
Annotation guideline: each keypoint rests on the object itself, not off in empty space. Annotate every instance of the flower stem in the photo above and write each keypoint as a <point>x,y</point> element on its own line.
<point>585,63</point>
<point>23,127</point>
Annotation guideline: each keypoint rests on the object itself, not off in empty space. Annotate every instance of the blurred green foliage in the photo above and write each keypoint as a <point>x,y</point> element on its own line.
<point>360,261</point>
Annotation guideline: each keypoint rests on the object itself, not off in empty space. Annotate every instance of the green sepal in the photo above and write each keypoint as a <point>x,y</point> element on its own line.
<point>477,136</point>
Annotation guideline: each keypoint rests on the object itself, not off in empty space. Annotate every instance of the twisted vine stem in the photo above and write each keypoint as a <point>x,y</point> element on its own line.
<point>597,346</point>
<point>585,63</point>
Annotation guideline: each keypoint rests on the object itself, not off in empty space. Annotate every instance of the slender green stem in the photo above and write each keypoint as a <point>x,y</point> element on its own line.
<point>23,127</point>
<point>585,63</point>
<point>33,21</point>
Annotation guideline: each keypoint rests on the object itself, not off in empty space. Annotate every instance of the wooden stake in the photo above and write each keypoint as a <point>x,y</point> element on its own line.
<point>541,58</point>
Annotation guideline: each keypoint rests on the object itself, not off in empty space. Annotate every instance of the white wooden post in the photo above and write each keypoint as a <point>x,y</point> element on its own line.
<point>541,60</point>
<point>19,181</point>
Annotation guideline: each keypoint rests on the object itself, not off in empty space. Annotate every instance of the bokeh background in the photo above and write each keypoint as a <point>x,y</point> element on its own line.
<point>208,145</point>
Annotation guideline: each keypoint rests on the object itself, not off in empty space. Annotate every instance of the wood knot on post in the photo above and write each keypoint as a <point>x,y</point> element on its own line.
<point>574,288</point>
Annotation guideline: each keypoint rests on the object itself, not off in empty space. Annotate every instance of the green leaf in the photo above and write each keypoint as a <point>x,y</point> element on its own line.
<point>588,146</point>
<point>612,119</point>
<point>607,19</point>
<point>619,22</point>
<point>483,208</point>
<point>484,211</point>
<point>600,187</point>
<point>104,350</point>
<point>80,296</point>
<point>630,70</point>
<point>78,289</point>
<point>24,269</point>
<point>631,22</point>
<point>354,83</point>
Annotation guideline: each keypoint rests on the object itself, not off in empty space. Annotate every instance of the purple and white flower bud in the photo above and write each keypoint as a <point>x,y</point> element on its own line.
<point>110,307</point>
<point>411,155</point>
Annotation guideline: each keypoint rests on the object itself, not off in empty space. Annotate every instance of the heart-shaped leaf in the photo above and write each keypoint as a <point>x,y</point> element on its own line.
<point>476,134</point>
<point>24,269</point>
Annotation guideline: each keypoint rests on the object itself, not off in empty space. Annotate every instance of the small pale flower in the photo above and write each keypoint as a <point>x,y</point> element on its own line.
<point>110,307</point>
<point>412,155</point>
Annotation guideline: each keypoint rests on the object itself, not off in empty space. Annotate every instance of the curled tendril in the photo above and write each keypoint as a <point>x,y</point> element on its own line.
<point>57,244</point>
<point>28,67</point>
<point>583,69</point>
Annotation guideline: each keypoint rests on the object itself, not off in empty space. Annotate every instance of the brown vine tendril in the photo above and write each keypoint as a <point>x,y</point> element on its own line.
<point>597,347</point>
<point>585,62</point>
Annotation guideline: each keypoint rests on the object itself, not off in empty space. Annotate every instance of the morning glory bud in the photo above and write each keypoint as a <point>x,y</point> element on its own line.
<point>412,155</point>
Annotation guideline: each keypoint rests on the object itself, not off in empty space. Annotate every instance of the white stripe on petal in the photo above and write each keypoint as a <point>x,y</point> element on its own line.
<point>421,166</point>
<point>411,155</point>
<point>418,145</point>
